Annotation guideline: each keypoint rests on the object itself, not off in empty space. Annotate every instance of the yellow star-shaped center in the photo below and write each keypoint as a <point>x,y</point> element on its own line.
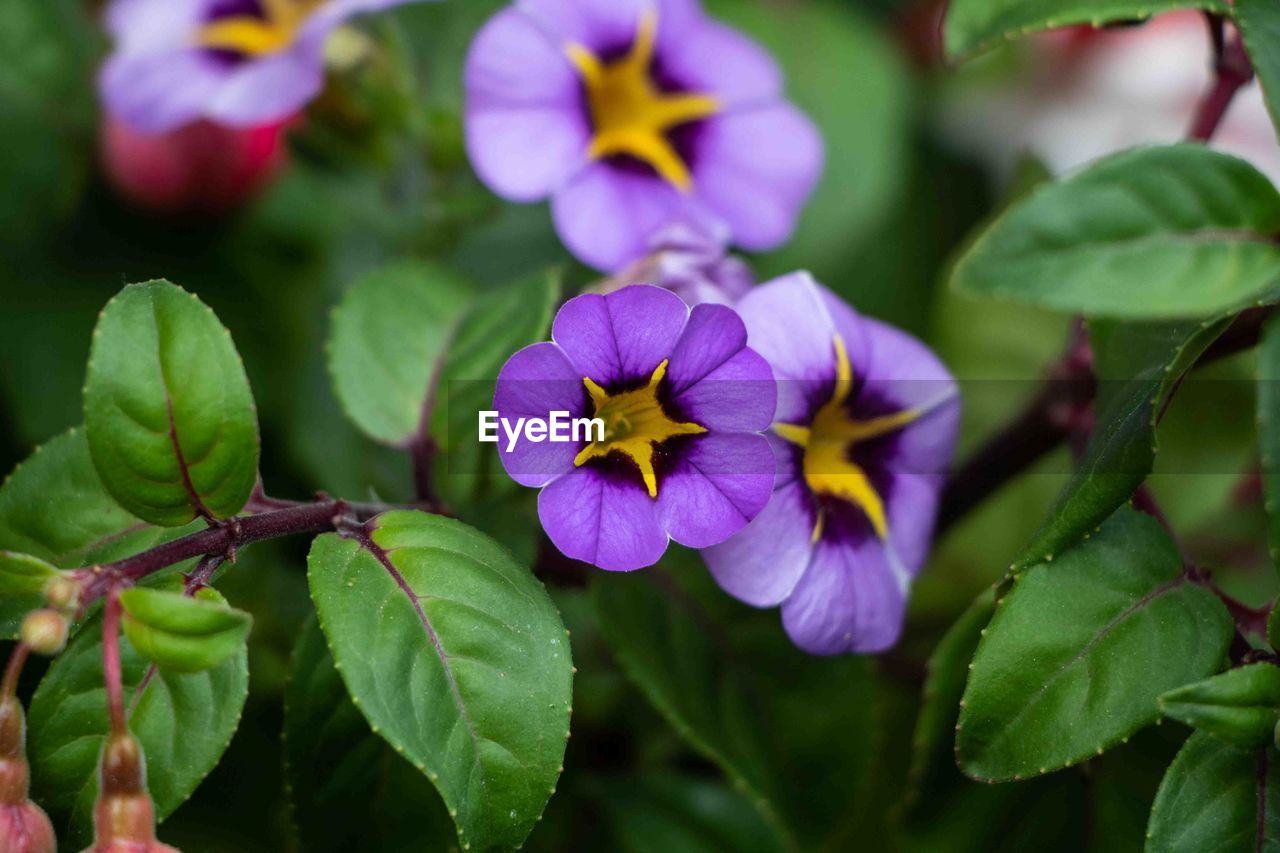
<point>635,425</point>
<point>253,35</point>
<point>630,114</point>
<point>827,468</point>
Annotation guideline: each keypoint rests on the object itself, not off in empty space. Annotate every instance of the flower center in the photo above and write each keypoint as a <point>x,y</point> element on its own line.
<point>828,470</point>
<point>635,424</point>
<point>630,114</point>
<point>257,35</point>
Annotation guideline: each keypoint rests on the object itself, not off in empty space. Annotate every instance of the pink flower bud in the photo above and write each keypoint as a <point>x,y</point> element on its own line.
<point>45,631</point>
<point>124,818</point>
<point>201,168</point>
<point>24,827</point>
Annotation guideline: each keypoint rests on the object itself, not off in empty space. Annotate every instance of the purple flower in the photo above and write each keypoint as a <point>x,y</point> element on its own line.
<point>864,430</point>
<point>683,402</point>
<point>633,115</point>
<point>691,265</point>
<point>240,63</point>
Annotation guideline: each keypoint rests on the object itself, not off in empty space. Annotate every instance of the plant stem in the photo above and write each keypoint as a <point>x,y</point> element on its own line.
<point>18,657</point>
<point>1232,70</point>
<point>111,672</point>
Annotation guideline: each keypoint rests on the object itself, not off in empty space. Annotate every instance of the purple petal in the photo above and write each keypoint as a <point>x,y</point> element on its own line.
<point>792,325</point>
<point>534,382</point>
<point>526,125</point>
<point>742,72</point>
<point>756,168</point>
<point>622,336</point>
<point>150,25</point>
<point>911,507</point>
<point>269,89</point>
<point>761,564</point>
<point>714,380</point>
<point>719,484</point>
<point>851,599</point>
<point>610,26</point>
<point>607,521</point>
<point>607,215</point>
<point>140,90</point>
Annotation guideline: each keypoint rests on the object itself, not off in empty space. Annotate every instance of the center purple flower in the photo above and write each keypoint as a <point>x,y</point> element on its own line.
<point>633,115</point>
<point>683,402</point>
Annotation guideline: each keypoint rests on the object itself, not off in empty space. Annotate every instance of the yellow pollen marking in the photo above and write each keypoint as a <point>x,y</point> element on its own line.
<point>629,113</point>
<point>826,442</point>
<point>257,36</point>
<point>635,424</point>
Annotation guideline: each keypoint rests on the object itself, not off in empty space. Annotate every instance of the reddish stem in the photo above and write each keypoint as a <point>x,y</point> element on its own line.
<point>1232,70</point>
<point>111,671</point>
<point>18,657</point>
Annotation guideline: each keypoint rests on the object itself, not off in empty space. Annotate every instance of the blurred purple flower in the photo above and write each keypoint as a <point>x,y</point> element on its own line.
<point>240,63</point>
<point>691,265</point>
<point>684,402</point>
<point>864,431</point>
<point>633,115</point>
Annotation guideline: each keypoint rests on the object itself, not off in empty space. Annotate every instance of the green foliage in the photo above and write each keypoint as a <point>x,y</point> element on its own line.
<point>457,657</point>
<point>23,575</point>
<point>1081,648</point>
<point>179,633</point>
<point>184,722</point>
<point>1241,706</point>
<point>1139,366</point>
<point>1178,231</point>
<point>1259,23</point>
<point>167,408</point>
<point>974,24</point>
<point>348,788</point>
<point>1269,429</point>
<point>1217,797</point>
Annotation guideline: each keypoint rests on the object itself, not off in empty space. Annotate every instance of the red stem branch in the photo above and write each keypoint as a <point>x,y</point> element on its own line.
<point>111,671</point>
<point>18,657</point>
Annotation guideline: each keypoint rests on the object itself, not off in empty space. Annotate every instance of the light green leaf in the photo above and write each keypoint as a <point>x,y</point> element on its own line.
<point>1269,429</point>
<point>1178,231</point>
<point>1210,798</point>
<point>183,721</point>
<point>1259,23</point>
<point>167,408</point>
<point>53,507</point>
<point>348,789</point>
<point>1081,648</point>
<point>181,633</point>
<point>22,574</point>
<point>389,336</point>
<point>457,657</point>
<point>1138,366</point>
<point>971,25</point>
<point>1241,706</point>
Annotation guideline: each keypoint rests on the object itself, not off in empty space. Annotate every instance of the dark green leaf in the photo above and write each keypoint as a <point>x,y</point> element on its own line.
<point>1080,649</point>
<point>1139,366</point>
<point>167,408</point>
<point>390,334</point>
<point>1210,800</point>
<point>54,507</point>
<point>971,25</point>
<point>1241,705</point>
<point>24,575</point>
<point>349,790</point>
<point>1179,231</point>
<point>183,721</point>
<point>1259,23</point>
<point>457,657</point>
<point>181,633</point>
<point>1269,429</point>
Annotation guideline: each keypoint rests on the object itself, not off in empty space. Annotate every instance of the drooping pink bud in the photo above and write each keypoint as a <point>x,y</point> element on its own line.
<point>124,817</point>
<point>201,168</point>
<point>24,827</point>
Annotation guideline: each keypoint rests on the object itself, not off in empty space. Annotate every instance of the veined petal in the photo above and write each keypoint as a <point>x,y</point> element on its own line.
<point>762,564</point>
<point>620,337</point>
<point>601,519</point>
<point>535,382</point>
<point>716,486</point>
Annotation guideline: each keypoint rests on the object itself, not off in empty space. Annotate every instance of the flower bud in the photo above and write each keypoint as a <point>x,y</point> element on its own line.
<point>124,817</point>
<point>24,827</point>
<point>63,594</point>
<point>45,631</point>
<point>202,168</point>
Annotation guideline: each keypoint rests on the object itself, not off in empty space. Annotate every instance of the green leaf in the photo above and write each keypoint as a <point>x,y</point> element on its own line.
<point>167,408</point>
<point>1259,24</point>
<point>1080,649</point>
<point>1178,231</point>
<point>348,789</point>
<point>1210,798</point>
<point>390,334</point>
<point>184,722</point>
<point>181,633</point>
<point>1269,429</point>
<point>22,574</point>
<point>971,25</point>
<point>54,508</point>
<point>1273,626</point>
<point>457,657</point>
<point>1241,706</point>
<point>1139,365</point>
